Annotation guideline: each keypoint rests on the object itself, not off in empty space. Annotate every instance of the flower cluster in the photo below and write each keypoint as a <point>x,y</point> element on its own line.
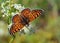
<point>10,9</point>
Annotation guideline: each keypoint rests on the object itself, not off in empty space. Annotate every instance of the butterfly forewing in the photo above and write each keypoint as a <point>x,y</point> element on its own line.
<point>25,12</point>
<point>34,14</point>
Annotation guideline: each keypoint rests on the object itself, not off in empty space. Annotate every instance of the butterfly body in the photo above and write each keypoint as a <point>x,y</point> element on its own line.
<point>23,19</point>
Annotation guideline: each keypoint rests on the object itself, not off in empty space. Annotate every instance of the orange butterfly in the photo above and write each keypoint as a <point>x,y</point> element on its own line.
<point>23,18</point>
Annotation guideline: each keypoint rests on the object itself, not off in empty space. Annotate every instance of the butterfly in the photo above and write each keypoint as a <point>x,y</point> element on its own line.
<point>23,18</point>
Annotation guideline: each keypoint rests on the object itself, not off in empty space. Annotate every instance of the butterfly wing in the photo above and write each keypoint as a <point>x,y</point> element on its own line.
<point>16,19</point>
<point>34,14</point>
<point>16,27</point>
<point>25,12</point>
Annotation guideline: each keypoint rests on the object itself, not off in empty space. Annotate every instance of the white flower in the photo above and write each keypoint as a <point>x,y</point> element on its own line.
<point>18,7</point>
<point>3,15</point>
<point>14,13</point>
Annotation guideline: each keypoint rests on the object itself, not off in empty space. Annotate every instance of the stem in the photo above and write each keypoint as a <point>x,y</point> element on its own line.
<point>11,41</point>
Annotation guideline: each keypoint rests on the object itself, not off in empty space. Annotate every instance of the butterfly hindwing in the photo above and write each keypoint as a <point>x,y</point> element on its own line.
<point>16,27</point>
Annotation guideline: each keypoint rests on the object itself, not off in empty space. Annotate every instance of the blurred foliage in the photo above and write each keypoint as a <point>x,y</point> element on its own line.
<point>47,26</point>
